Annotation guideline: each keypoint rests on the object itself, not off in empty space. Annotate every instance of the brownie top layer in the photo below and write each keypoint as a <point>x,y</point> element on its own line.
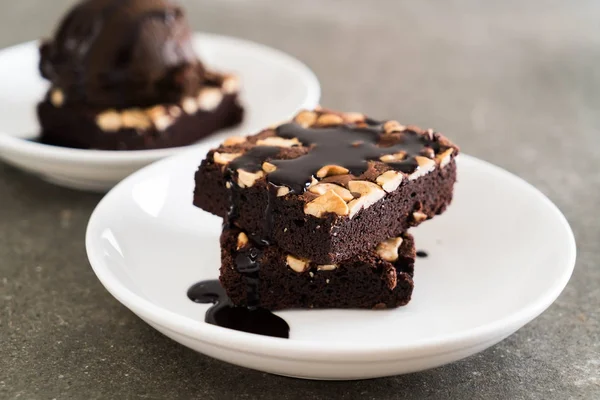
<point>334,162</point>
<point>123,53</point>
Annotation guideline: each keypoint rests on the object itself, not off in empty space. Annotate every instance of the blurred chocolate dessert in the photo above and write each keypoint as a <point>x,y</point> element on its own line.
<point>125,76</point>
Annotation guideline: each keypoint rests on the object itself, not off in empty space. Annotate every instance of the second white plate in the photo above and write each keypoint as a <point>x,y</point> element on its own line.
<point>274,87</point>
<point>498,257</point>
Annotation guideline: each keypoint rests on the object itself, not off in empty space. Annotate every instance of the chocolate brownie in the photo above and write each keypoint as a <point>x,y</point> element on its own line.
<point>166,125</point>
<point>268,277</point>
<point>328,185</point>
<point>124,76</point>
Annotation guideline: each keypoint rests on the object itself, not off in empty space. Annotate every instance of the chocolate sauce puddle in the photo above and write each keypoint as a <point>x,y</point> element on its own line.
<point>422,254</point>
<point>245,319</point>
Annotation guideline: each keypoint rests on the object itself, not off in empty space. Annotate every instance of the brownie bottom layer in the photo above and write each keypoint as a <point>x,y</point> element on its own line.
<point>364,281</point>
<point>77,128</point>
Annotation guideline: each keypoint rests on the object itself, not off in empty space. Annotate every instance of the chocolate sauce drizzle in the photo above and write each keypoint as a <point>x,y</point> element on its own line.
<point>422,254</point>
<point>251,163</point>
<point>252,318</point>
<point>348,146</point>
<point>223,313</point>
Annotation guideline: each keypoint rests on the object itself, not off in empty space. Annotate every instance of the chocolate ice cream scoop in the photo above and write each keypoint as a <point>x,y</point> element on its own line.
<point>123,53</point>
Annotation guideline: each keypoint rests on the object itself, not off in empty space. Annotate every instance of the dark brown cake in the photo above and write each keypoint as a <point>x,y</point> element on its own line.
<point>329,185</point>
<point>125,76</point>
<point>270,278</point>
<point>161,126</point>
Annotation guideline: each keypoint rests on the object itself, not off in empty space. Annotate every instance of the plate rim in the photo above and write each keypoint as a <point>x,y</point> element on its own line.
<point>18,146</point>
<point>311,350</point>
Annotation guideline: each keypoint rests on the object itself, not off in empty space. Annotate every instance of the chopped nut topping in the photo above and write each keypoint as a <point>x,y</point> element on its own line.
<point>429,134</point>
<point>330,119</point>
<point>296,264</point>
<point>156,112</point>
<point>233,140</point>
<point>209,99</point>
<point>164,123</point>
<point>393,278</point>
<point>419,216</point>
<point>109,121</point>
<point>268,167</point>
<point>393,126</point>
<point>159,117</point>
<point>282,191</point>
<point>247,179</point>
<point>353,117</point>
<point>135,119</point>
<point>370,193</point>
<point>322,188</point>
<point>329,267</point>
<point>445,157</point>
<point>190,105</point>
<point>426,165</point>
<point>231,85</point>
<point>427,152</point>
<point>57,98</point>
<point>330,202</point>
<point>225,158</point>
<point>306,119</point>
<point>175,111</point>
<point>313,182</point>
<point>330,170</point>
<point>389,158</point>
<point>390,180</point>
<point>277,141</point>
<point>242,240</point>
<point>388,249</point>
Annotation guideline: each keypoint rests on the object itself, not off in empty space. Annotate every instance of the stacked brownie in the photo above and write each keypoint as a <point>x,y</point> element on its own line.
<point>317,210</point>
<point>124,76</point>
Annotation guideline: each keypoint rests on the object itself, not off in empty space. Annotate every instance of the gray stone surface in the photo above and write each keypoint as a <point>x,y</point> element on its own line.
<point>516,83</point>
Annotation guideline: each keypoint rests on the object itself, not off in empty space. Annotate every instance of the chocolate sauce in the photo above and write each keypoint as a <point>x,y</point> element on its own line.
<point>348,146</point>
<point>223,313</point>
<point>422,254</point>
<point>251,162</point>
<point>406,166</point>
<point>247,263</point>
<point>252,318</point>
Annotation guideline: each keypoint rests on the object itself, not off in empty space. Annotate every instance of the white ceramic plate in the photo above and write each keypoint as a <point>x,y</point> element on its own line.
<point>498,257</point>
<point>274,86</point>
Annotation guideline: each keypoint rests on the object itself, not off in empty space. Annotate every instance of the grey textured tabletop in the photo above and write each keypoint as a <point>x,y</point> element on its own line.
<point>516,83</point>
